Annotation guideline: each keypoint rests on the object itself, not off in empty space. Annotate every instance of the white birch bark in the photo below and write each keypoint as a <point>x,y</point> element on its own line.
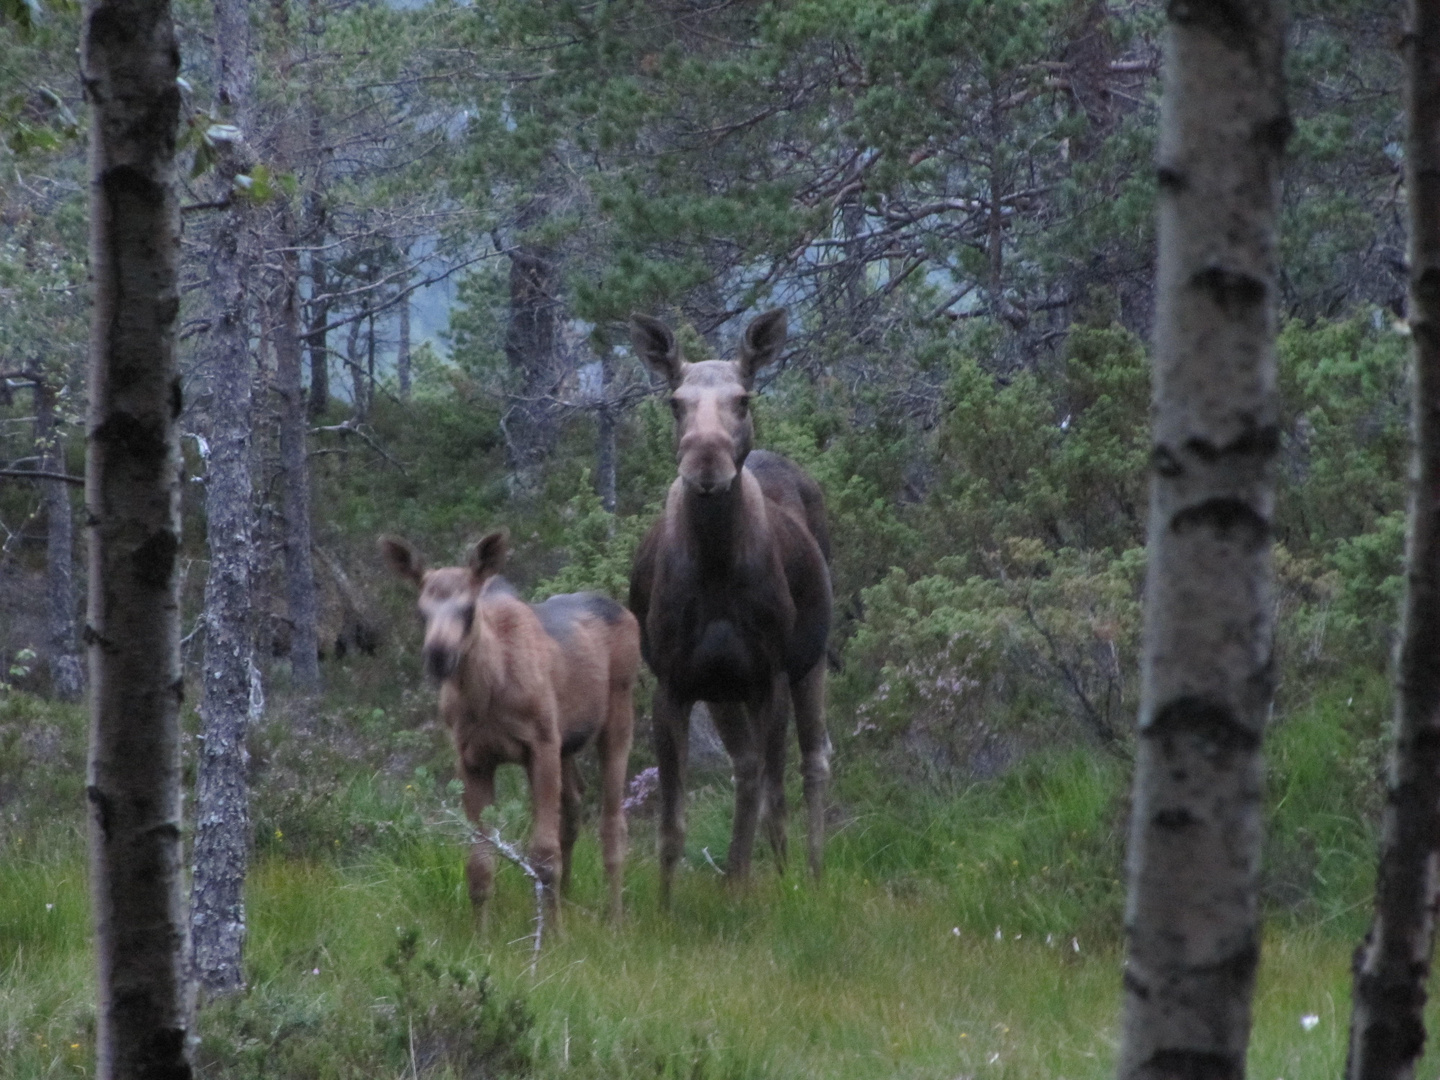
<point>130,61</point>
<point>1192,919</point>
<point>1387,1028</point>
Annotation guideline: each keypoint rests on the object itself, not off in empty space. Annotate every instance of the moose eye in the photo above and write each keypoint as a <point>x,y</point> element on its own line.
<point>742,405</point>
<point>677,408</point>
<point>467,617</point>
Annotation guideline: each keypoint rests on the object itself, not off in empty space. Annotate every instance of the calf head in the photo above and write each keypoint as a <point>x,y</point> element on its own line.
<point>711,399</point>
<point>448,595</point>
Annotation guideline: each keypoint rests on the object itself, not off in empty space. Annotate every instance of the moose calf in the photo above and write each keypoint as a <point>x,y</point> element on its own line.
<point>529,684</point>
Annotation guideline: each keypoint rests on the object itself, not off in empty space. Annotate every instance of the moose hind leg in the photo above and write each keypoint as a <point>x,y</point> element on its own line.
<point>672,751</point>
<point>738,732</point>
<point>614,745</point>
<point>809,698</point>
<point>571,789</point>
<point>774,717</point>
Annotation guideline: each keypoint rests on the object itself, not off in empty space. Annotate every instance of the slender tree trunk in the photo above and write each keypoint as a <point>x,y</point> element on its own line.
<point>402,349</point>
<point>315,340</point>
<point>1387,1032</point>
<point>67,676</point>
<point>530,346</point>
<point>222,797</point>
<point>357,372</point>
<point>1192,910</point>
<point>130,61</point>
<point>605,455</point>
<point>300,591</point>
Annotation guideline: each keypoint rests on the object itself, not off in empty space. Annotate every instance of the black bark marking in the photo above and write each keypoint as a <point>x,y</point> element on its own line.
<point>1227,20</point>
<point>1164,462</point>
<point>1134,986</point>
<point>1228,519</point>
<point>134,438</point>
<point>125,182</point>
<point>1208,721</point>
<point>1231,291</point>
<point>177,397</point>
<point>154,560</point>
<point>1189,1065</point>
<point>1171,179</point>
<point>1174,819</point>
<point>102,809</point>
<point>1275,133</point>
<point>1258,440</point>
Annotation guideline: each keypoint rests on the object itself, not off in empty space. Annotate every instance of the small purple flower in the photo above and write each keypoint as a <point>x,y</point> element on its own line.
<point>642,785</point>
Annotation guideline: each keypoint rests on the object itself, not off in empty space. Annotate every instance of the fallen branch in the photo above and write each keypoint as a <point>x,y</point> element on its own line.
<point>510,852</point>
<point>37,474</point>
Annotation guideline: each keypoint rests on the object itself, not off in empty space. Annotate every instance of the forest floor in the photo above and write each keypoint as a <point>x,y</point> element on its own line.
<point>968,934</point>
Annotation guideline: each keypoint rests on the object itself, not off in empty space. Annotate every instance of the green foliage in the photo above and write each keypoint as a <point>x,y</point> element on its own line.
<point>434,1018</point>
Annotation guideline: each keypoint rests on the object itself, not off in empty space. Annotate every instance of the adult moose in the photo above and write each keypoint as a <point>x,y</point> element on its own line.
<point>529,685</point>
<point>732,590</point>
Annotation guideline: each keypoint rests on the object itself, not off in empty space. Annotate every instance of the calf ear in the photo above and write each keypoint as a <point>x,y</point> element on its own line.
<point>488,556</point>
<point>402,558</point>
<point>762,342</point>
<point>656,346</point>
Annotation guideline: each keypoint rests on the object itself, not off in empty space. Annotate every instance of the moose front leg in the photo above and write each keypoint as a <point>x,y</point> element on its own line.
<point>545,796</point>
<point>773,720</point>
<point>672,751</point>
<point>737,727</point>
<point>809,698</point>
<point>479,793</point>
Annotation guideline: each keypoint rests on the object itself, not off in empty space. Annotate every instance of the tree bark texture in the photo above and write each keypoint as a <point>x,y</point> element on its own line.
<point>130,61</point>
<point>1207,679</point>
<point>222,797</point>
<point>316,340</point>
<point>67,674</point>
<point>300,592</point>
<point>530,348</point>
<point>402,349</point>
<point>1387,1029</point>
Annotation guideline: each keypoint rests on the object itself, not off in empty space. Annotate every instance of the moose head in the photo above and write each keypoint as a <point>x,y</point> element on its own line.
<point>710,399</point>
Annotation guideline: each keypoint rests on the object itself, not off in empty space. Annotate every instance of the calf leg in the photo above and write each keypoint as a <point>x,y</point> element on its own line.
<point>774,723</point>
<point>571,788</point>
<point>672,750</point>
<point>738,732</point>
<point>809,698</point>
<point>614,745</point>
<point>545,788</point>
<point>480,869</point>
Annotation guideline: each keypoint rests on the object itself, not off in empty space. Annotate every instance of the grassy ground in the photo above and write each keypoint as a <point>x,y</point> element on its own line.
<point>974,934</point>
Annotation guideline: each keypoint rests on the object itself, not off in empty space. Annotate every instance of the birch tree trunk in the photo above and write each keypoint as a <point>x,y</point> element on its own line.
<point>130,61</point>
<point>67,675</point>
<point>1387,1028</point>
<point>1192,908</point>
<point>222,797</point>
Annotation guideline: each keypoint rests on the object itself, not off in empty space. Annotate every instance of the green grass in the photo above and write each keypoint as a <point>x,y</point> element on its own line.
<point>363,958</point>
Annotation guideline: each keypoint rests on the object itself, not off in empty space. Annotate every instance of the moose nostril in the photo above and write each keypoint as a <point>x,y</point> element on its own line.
<point>439,663</point>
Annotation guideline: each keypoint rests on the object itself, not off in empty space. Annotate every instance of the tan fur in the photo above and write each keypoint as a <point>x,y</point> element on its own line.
<point>513,694</point>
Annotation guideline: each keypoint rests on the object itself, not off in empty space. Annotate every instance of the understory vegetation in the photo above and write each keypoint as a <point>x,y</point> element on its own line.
<point>969,928</point>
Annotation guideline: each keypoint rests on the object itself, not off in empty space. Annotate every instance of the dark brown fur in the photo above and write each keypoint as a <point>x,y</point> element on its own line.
<point>529,685</point>
<point>732,590</point>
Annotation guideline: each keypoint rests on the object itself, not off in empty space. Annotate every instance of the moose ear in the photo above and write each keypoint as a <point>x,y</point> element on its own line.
<point>488,556</point>
<point>655,345</point>
<point>402,558</point>
<point>762,342</point>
